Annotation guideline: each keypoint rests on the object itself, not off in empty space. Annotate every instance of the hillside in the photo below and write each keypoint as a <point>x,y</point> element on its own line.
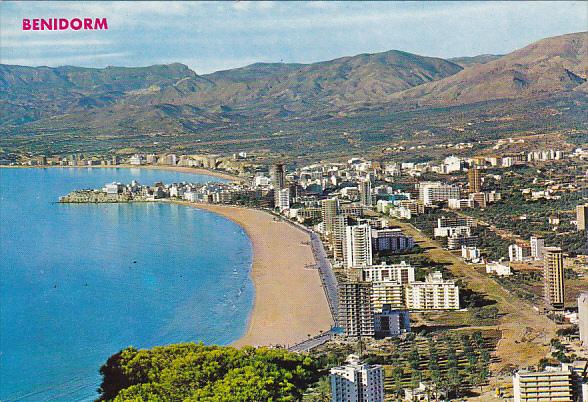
<point>388,94</point>
<point>549,66</point>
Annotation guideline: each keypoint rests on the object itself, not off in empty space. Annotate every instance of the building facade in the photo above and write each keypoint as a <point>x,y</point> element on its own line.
<point>357,382</point>
<point>435,293</point>
<point>553,277</point>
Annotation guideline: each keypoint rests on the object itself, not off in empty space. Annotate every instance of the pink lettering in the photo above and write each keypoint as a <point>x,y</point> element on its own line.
<point>100,23</point>
<point>63,24</point>
<point>26,24</point>
<point>35,24</point>
<point>45,24</point>
<point>87,23</point>
<point>75,24</point>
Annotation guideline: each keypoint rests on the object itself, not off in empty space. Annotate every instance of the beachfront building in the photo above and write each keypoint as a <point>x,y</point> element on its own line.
<point>282,198</point>
<point>329,209</point>
<point>553,277</point>
<point>583,318</point>
<point>435,293</point>
<point>357,382</point>
<point>474,180</point>
<point>358,246</point>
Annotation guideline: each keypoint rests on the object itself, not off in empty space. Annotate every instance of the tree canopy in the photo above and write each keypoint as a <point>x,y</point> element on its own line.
<point>194,372</point>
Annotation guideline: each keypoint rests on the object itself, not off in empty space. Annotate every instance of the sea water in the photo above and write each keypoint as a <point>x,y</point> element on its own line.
<point>79,282</point>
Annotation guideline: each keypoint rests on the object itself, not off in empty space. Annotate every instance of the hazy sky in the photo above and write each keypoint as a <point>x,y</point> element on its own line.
<point>221,35</point>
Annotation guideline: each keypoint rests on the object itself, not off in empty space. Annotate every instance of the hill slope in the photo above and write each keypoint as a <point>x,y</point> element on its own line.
<point>543,68</point>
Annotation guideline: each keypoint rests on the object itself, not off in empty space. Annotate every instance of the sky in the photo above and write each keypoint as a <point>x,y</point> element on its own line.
<point>211,36</point>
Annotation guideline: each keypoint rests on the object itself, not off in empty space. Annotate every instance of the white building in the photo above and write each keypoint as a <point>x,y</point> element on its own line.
<point>518,252</point>
<point>402,273</point>
<point>537,246</point>
<point>471,254</point>
<point>282,198</point>
<point>357,248</point>
<point>136,160</point>
<point>261,181</point>
<point>357,382</point>
<point>498,269</point>
<point>435,293</point>
<point>431,192</point>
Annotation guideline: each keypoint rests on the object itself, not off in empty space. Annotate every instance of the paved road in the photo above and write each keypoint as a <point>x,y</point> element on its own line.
<point>311,343</point>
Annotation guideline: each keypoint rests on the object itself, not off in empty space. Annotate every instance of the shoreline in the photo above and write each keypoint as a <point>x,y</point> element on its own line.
<point>181,169</point>
<point>289,303</point>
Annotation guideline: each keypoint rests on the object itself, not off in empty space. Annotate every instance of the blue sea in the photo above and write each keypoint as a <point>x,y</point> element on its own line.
<point>80,282</point>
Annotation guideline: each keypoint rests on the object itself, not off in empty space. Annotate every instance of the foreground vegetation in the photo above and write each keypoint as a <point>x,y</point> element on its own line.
<point>194,372</point>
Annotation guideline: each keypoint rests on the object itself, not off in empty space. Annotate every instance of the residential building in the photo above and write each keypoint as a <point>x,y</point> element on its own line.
<point>356,311</point>
<point>432,192</point>
<point>582,217</point>
<point>537,246</point>
<point>365,193</point>
<point>278,176</point>
<point>338,236</point>
<point>391,241</point>
<point>358,246</point>
<point>357,382</point>
<point>387,293</point>
<point>458,240</point>
<point>553,277</point>
<point>583,319</point>
<point>499,269</point>
<point>282,198</point>
<point>519,252</point>
<point>474,180</point>
<point>471,253</point>
<point>329,209</point>
<point>391,322</point>
<point>554,384</point>
<point>435,293</point>
<point>402,273</point>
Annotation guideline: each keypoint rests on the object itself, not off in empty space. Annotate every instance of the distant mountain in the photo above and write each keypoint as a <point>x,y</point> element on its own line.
<point>173,101</point>
<point>473,60</point>
<point>544,68</point>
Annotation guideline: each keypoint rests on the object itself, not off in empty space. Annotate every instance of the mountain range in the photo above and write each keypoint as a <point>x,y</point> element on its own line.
<point>174,99</point>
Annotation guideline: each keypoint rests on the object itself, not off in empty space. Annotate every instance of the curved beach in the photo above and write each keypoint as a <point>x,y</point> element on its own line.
<point>290,303</point>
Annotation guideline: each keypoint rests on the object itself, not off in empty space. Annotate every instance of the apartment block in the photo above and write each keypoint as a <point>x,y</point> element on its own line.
<point>357,382</point>
<point>435,293</point>
<point>553,277</point>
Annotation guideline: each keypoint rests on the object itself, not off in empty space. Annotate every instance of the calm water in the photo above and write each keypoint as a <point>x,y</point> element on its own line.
<point>80,282</point>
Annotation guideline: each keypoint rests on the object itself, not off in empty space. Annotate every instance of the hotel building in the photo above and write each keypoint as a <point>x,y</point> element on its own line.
<point>356,311</point>
<point>431,192</point>
<point>556,384</point>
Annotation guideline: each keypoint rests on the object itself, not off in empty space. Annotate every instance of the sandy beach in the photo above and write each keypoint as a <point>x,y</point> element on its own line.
<point>289,301</point>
